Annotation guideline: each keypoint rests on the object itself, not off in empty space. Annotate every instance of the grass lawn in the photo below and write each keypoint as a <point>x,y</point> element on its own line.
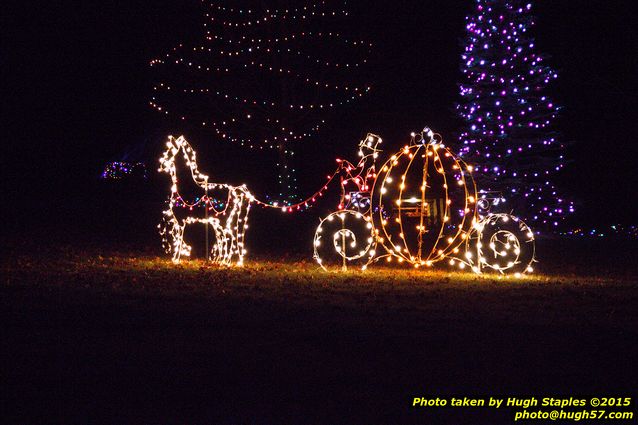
<point>95,334</point>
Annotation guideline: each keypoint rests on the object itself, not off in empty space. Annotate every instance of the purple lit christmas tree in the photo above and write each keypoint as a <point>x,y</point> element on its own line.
<point>507,114</point>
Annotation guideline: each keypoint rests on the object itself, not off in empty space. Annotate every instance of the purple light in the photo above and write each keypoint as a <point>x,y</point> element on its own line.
<point>518,83</point>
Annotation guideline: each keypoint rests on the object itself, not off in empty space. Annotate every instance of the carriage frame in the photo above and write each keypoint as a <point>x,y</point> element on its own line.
<point>359,234</point>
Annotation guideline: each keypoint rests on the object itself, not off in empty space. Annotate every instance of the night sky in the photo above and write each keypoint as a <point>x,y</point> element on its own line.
<point>76,87</point>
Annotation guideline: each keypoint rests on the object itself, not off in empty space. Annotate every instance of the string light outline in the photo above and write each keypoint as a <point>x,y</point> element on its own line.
<point>229,247</point>
<point>461,245</point>
<point>501,92</point>
<point>218,40</point>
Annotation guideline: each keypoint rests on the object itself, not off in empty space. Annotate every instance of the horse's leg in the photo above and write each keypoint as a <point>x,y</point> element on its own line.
<point>172,232</point>
<point>218,247</point>
<point>178,243</point>
<point>242,222</point>
<point>223,245</point>
<point>234,227</point>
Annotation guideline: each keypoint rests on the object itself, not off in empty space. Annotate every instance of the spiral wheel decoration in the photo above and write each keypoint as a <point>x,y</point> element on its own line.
<point>502,243</point>
<point>342,239</point>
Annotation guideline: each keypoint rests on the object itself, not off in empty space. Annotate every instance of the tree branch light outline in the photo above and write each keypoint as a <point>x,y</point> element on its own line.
<point>264,77</point>
<point>507,113</point>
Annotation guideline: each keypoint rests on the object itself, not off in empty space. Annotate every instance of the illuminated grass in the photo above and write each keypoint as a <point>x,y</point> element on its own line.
<point>278,328</point>
<point>406,291</point>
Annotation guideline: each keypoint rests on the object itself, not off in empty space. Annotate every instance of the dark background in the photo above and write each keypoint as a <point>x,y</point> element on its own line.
<point>76,85</point>
<point>87,334</point>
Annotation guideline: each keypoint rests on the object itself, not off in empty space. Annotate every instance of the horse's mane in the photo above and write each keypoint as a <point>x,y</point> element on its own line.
<point>168,161</point>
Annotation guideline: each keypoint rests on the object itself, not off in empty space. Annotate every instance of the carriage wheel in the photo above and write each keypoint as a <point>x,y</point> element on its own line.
<point>503,243</point>
<point>344,239</point>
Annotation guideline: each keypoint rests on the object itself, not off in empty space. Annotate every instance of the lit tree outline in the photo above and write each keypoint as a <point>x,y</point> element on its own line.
<point>253,92</point>
<point>508,117</point>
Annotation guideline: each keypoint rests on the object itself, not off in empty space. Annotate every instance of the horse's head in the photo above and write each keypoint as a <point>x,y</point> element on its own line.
<point>173,147</point>
<point>187,162</point>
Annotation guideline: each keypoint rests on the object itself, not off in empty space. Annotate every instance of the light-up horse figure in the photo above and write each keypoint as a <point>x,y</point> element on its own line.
<point>227,215</point>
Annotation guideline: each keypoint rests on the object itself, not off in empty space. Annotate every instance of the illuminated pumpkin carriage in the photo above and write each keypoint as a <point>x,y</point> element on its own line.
<point>421,207</point>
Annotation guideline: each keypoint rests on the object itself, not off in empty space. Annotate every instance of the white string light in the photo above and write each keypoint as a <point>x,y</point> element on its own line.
<point>503,243</point>
<point>265,78</point>
<point>342,238</point>
<point>228,219</point>
<point>422,209</point>
<point>350,231</point>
